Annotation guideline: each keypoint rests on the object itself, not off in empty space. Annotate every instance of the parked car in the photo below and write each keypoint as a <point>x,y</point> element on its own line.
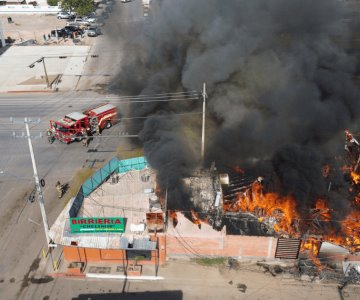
<point>81,21</point>
<point>76,29</point>
<point>65,15</point>
<point>61,33</point>
<point>77,25</point>
<point>93,31</point>
<point>89,19</point>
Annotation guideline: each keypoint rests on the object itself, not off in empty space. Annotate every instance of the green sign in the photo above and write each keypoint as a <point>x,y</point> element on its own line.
<point>90,225</point>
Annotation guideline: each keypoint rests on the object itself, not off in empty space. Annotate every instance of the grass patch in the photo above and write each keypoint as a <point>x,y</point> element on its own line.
<point>211,261</point>
<point>125,154</point>
<point>78,179</point>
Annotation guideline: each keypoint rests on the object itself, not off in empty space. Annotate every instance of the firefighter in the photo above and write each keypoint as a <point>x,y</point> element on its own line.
<point>85,138</point>
<point>95,125</point>
<point>50,136</point>
<point>59,189</point>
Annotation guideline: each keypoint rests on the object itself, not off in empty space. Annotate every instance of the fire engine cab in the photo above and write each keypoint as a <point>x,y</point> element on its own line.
<point>76,126</point>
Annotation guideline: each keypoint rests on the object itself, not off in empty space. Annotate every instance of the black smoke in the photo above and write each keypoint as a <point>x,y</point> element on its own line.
<point>299,172</point>
<point>276,73</point>
<point>168,153</point>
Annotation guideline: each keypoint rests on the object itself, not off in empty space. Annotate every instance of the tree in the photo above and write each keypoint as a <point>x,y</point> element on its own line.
<point>80,7</point>
<point>52,2</point>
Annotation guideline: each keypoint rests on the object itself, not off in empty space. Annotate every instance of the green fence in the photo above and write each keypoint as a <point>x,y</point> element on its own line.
<point>103,174</point>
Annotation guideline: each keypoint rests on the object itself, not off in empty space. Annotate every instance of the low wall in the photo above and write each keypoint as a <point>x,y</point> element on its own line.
<point>237,246</point>
<point>28,9</point>
<point>92,255</point>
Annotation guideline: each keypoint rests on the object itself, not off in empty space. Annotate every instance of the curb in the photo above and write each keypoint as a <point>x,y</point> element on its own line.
<point>31,91</point>
<point>67,275</point>
<point>115,276</point>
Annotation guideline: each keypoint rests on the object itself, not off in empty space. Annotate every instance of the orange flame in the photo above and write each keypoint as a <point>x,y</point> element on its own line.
<point>281,210</point>
<point>254,200</point>
<point>173,217</point>
<point>355,177</point>
<point>313,246</point>
<point>195,218</point>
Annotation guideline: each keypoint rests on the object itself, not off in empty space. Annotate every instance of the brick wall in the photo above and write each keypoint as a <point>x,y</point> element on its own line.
<point>235,246</point>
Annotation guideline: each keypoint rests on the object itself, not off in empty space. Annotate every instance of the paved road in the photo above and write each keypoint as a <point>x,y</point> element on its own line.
<point>20,237</point>
<point>118,28</point>
<point>21,233</point>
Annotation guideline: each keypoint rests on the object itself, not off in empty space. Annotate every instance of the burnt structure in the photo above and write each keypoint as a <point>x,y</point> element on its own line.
<point>206,195</point>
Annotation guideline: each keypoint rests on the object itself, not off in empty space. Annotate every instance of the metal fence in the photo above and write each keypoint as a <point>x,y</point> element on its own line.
<point>92,183</point>
<point>103,174</point>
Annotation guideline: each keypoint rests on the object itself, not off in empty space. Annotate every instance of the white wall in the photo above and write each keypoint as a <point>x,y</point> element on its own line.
<point>28,9</point>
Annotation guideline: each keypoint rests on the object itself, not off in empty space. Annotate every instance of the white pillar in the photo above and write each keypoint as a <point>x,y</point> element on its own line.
<point>2,38</point>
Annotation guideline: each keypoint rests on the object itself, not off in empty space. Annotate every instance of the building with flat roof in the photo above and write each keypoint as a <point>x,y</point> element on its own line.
<point>114,218</point>
<point>119,216</point>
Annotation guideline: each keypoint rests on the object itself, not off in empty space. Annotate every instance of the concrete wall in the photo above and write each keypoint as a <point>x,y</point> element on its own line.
<point>237,246</point>
<point>28,9</point>
<point>240,247</point>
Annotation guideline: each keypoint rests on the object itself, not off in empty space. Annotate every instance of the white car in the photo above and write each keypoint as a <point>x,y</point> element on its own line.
<point>65,15</point>
<point>81,21</point>
<point>89,19</point>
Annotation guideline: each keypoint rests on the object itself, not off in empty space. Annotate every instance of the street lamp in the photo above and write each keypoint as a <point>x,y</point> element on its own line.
<point>42,59</point>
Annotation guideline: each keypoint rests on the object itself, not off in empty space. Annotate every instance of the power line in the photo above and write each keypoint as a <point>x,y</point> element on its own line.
<point>118,99</point>
<point>122,119</point>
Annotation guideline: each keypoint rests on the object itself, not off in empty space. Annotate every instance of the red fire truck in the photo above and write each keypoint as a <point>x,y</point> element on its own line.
<point>76,126</point>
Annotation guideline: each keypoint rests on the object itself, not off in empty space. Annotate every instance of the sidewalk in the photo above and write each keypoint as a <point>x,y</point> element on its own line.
<point>63,65</point>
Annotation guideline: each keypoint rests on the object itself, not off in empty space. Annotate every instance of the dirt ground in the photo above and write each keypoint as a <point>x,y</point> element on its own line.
<point>34,27</point>
<point>183,280</point>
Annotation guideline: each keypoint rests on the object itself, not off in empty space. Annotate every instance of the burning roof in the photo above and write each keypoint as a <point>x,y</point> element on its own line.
<point>319,221</point>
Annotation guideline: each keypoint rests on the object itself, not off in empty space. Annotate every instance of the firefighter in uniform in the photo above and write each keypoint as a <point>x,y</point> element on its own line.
<point>50,136</point>
<point>85,138</point>
<point>95,125</point>
<point>59,189</point>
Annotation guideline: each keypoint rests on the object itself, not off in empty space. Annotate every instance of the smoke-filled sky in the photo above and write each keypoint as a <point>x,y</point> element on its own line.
<point>276,74</point>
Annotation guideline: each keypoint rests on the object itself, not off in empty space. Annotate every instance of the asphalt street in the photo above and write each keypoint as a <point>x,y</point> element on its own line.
<point>21,234</point>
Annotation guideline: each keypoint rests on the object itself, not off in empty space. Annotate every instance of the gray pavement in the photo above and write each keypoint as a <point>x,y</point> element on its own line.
<point>21,238</point>
<point>29,75</point>
<point>23,272</point>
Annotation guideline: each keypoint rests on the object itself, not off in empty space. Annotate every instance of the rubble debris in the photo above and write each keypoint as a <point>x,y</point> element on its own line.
<point>233,264</point>
<point>273,269</point>
<point>241,287</point>
<point>352,277</point>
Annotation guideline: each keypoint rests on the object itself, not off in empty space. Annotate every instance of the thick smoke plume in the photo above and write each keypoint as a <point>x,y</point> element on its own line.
<point>167,153</point>
<point>276,74</point>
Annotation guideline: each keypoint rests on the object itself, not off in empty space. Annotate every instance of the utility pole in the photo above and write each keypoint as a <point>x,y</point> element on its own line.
<point>203,122</point>
<point>46,75</point>
<point>42,59</point>
<point>37,181</point>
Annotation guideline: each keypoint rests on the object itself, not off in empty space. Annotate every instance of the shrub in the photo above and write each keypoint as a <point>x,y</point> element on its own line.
<point>52,2</point>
